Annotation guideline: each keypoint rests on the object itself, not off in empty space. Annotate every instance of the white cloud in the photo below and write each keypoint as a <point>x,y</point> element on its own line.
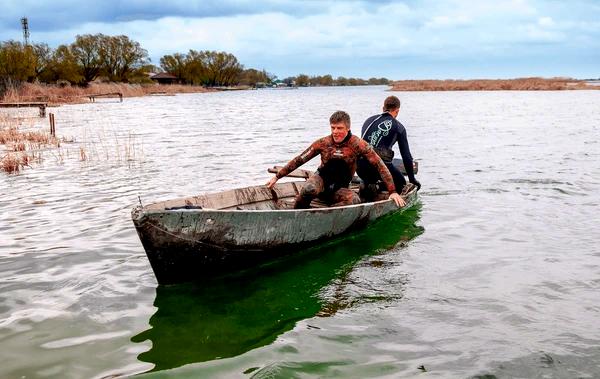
<point>546,21</point>
<point>364,35</point>
<point>441,22</point>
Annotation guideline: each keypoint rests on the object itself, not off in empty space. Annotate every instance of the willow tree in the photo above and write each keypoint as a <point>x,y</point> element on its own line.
<point>17,62</point>
<point>116,57</point>
<point>302,80</point>
<point>120,57</point>
<point>175,65</point>
<point>62,67</point>
<point>252,77</point>
<point>206,67</point>
<point>222,69</point>
<point>87,54</point>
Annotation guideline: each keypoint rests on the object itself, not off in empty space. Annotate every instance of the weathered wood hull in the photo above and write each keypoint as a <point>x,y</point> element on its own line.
<point>183,244</point>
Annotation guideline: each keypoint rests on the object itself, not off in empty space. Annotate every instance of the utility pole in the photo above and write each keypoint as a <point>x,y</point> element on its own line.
<point>25,25</point>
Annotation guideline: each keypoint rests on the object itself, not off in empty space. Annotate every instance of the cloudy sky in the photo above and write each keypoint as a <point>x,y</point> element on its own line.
<point>409,39</point>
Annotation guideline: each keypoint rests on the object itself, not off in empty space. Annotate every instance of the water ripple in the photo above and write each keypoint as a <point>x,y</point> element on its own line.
<point>501,278</point>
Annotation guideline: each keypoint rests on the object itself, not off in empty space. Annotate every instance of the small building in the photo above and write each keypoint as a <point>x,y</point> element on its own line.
<point>164,78</point>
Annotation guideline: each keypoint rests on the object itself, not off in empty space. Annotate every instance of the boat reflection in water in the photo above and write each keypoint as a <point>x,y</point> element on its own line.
<point>226,317</point>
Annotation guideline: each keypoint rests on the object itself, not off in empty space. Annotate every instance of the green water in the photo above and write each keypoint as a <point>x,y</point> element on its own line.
<point>203,321</point>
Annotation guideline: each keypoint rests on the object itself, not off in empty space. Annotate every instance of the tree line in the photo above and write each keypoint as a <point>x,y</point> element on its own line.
<point>211,68</point>
<point>304,80</point>
<point>117,58</point>
<point>120,59</point>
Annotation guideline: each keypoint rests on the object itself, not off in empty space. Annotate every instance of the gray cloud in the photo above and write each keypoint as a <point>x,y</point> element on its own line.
<point>66,14</point>
<point>342,37</point>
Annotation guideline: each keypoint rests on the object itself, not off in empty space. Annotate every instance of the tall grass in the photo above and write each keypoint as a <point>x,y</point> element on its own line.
<point>521,84</point>
<point>103,146</point>
<point>54,94</point>
<point>24,142</point>
<point>25,147</point>
<point>21,148</point>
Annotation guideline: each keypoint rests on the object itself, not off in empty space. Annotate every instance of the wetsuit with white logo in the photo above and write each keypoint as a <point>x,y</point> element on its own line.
<point>382,132</point>
<point>338,165</point>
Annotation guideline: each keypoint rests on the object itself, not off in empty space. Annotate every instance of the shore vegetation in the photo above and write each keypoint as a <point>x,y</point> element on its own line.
<point>22,145</point>
<point>520,84</point>
<point>72,94</point>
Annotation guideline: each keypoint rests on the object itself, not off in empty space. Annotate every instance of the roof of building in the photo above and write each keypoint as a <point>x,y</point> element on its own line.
<point>163,75</point>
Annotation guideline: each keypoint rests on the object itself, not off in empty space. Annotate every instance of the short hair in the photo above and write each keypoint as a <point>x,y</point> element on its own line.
<point>391,103</point>
<point>340,116</point>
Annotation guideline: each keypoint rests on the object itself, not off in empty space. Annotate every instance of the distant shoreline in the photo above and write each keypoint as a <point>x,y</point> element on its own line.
<point>519,84</point>
<point>58,95</point>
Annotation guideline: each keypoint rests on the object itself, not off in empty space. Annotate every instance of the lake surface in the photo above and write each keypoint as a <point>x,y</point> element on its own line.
<point>496,273</point>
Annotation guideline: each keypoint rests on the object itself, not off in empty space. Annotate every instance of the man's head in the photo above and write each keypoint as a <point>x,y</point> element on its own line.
<point>340,125</point>
<point>392,105</point>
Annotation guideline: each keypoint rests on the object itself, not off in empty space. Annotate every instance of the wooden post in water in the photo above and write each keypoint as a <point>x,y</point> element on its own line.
<point>52,125</point>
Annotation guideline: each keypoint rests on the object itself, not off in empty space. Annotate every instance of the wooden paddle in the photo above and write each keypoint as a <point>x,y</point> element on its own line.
<point>305,174</point>
<point>297,173</point>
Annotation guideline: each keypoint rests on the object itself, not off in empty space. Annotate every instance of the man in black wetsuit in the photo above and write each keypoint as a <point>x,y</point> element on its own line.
<point>382,131</point>
<point>339,152</point>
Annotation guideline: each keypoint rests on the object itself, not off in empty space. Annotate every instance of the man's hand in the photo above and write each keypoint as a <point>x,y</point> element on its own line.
<point>416,183</point>
<point>398,199</point>
<point>271,182</point>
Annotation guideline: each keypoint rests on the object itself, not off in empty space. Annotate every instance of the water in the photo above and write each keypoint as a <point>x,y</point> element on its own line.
<point>496,272</point>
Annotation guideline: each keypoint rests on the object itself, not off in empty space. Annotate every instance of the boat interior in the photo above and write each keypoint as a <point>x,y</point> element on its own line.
<point>249,198</point>
<point>260,197</point>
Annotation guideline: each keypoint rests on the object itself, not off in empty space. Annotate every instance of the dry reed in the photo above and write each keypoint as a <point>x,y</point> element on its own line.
<point>54,94</point>
<point>13,162</point>
<point>10,163</point>
<point>521,84</point>
<point>16,140</point>
<point>23,147</point>
<point>82,154</point>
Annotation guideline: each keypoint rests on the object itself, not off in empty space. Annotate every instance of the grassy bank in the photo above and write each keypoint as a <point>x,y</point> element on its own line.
<point>521,84</point>
<point>55,95</point>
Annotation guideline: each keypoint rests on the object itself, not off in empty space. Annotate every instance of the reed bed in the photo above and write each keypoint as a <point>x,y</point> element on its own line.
<point>520,84</point>
<point>117,148</point>
<point>11,136</point>
<point>55,94</point>
<point>22,147</point>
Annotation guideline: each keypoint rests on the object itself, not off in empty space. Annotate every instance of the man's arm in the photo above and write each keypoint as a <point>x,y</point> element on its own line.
<point>407,158</point>
<point>376,161</point>
<point>298,161</point>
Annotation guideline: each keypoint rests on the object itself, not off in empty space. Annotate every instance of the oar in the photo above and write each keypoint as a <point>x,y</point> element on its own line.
<point>297,173</point>
<point>305,174</point>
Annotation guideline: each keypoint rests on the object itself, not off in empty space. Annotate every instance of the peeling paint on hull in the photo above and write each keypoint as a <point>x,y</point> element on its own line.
<point>184,244</point>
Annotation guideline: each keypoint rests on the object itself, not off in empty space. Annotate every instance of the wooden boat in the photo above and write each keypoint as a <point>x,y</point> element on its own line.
<point>207,235</point>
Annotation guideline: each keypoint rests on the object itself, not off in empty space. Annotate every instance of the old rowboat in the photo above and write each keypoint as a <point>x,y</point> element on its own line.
<point>207,235</point>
